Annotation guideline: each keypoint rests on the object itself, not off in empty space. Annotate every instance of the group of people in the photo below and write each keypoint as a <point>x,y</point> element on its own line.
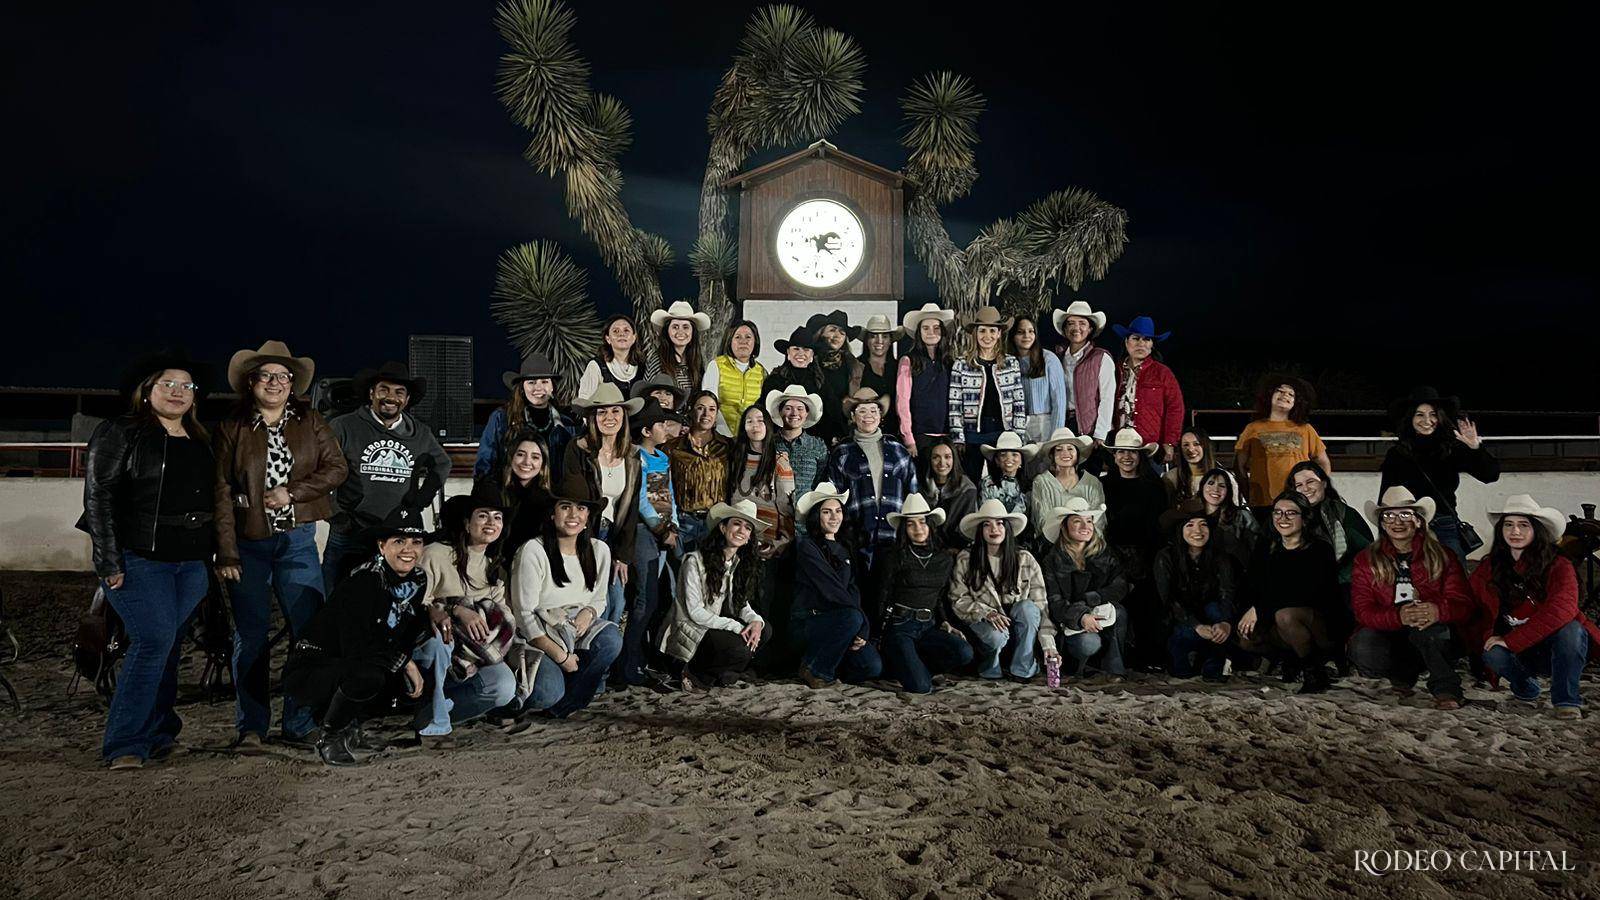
<point>909,513</point>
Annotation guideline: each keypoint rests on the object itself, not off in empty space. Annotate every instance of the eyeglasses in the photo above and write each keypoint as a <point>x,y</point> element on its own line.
<point>1396,515</point>
<point>178,387</point>
<point>1286,514</point>
<point>274,377</point>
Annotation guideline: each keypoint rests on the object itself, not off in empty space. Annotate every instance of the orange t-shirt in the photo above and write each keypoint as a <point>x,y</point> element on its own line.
<point>1275,448</point>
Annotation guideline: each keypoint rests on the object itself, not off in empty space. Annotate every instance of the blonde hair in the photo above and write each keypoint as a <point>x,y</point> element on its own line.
<point>1095,546</point>
<point>1384,569</point>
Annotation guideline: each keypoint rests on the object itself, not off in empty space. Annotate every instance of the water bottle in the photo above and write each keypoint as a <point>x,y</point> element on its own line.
<point>1052,671</point>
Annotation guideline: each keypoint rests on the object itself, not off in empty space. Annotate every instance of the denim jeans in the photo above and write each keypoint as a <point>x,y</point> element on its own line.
<point>1401,655</point>
<point>564,693</point>
<point>1448,531</point>
<point>616,591</point>
<point>155,602</point>
<point>1104,646</point>
<point>915,651</point>
<point>1561,656</point>
<point>339,545</point>
<point>448,699</point>
<point>691,531</point>
<point>286,565</point>
<point>648,562</point>
<point>1184,641</point>
<point>828,636</point>
<point>1022,636</point>
<point>972,453</point>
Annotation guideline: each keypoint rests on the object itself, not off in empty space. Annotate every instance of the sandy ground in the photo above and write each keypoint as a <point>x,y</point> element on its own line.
<point>772,790</point>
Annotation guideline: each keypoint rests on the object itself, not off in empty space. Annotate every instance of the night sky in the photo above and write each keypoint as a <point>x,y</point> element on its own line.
<point>1405,200</point>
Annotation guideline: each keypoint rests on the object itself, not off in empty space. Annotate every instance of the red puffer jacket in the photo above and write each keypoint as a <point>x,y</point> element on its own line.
<point>1373,603</point>
<point>1542,619</point>
<point>1157,402</point>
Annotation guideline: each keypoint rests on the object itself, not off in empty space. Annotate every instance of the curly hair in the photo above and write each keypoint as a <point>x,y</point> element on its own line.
<point>1305,396</point>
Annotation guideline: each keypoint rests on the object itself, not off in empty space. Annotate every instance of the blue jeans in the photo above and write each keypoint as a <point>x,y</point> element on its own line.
<point>1184,641</point>
<point>691,531</point>
<point>1079,649</point>
<point>155,602</point>
<point>915,651</point>
<point>285,564</point>
<point>1022,635</point>
<point>828,636</point>
<point>339,544</point>
<point>1561,656</point>
<point>564,693</point>
<point>1448,531</point>
<point>447,699</point>
<point>615,589</point>
<point>648,562</point>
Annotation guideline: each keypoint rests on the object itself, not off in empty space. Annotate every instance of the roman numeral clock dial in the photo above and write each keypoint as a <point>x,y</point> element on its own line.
<point>820,243</point>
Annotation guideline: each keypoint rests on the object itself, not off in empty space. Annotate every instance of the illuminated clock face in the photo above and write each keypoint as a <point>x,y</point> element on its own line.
<point>820,243</point>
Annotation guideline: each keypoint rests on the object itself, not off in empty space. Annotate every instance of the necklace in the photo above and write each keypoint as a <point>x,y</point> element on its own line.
<point>922,560</point>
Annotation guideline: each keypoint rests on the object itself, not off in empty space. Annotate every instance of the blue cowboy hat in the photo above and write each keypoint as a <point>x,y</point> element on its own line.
<point>1143,326</point>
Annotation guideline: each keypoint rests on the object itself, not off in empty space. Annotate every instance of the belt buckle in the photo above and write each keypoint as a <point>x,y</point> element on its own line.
<point>191,520</point>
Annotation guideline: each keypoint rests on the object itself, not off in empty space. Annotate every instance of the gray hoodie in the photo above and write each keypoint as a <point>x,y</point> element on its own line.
<point>381,462</point>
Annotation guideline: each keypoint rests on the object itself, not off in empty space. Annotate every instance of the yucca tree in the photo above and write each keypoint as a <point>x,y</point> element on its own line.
<point>541,299</point>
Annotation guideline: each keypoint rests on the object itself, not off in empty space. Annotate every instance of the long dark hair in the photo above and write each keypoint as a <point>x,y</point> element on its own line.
<point>1441,443</point>
<point>605,354</point>
<point>667,352</point>
<point>992,466</point>
<point>767,469</point>
<point>746,567</point>
<point>1208,461</point>
<point>1230,503</point>
<point>552,549</point>
<point>493,563</point>
<point>508,479</point>
<point>918,354</point>
<point>1033,360</point>
<point>814,529</point>
<point>1207,565</point>
<point>935,537</point>
<point>139,405</point>
<point>1308,531</point>
<point>1539,556</point>
<point>978,570</point>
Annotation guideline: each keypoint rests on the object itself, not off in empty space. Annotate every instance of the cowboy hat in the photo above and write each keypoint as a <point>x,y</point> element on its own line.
<point>1524,505</point>
<point>574,488</point>
<point>534,365</point>
<point>1193,508</point>
<point>643,389</point>
<point>1064,436</point>
<point>838,317</point>
<point>1008,440</point>
<point>1081,310</point>
<point>776,399</point>
<point>680,309</point>
<point>802,337</point>
<point>990,316</point>
<point>1398,497</point>
<point>1449,408</point>
<point>876,325</point>
<point>914,506</point>
<point>1075,506</point>
<point>485,495</point>
<point>743,509</point>
<point>913,319</point>
<point>394,373</point>
<point>1142,326</point>
<point>607,394</point>
<point>992,509</point>
<point>1105,614</point>
<point>156,363</point>
<point>402,521</point>
<point>247,361</point>
<point>864,395</point>
<point>1128,439</point>
<point>823,491</point>
<point>651,413</point>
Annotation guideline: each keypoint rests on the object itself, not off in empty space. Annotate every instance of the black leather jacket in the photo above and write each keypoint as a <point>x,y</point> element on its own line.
<point>1072,592</point>
<point>122,490</point>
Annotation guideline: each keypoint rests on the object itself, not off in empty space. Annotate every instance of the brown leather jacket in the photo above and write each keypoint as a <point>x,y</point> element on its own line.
<point>241,450</point>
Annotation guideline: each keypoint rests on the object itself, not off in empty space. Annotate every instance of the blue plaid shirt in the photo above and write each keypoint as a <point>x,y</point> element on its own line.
<point>808,457</point>
<point>848,470</point>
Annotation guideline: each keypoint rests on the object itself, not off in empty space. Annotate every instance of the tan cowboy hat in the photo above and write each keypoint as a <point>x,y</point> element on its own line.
<point>1081,310</point>
<point>1075,506</point>
<point>246,361</point>
<point>992,509</point>
<point>1524,505</point>
<point>607,394</point>
<point>823,491</point>
<point>916,505</point>
<point>913,319</point>
<point>680,309</point>
<point>1008,440</point>
<point>864,395</point>
<point>876,325</point>
<point>776,399</point>
<point>988,315</point>
<point>1064,436</point>
<point>1398,497</point>
<point>1128,439</point>
<point>744,509</point>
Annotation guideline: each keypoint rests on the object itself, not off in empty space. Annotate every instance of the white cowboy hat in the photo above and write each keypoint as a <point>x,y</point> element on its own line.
<point>744,509</point>
<point>877,325</point>
<point>1064,436</point>
<point>823,491</point>
<point>1105,614</point>
<point>864,395</point>
<point>1008,440</point>
<point>680,309</point>
<point>776,399</point>
<point>1128,439</point>
<point>1075,506</point>
<point>607,394</point>
<point>992,509</point>
<point>913,319</point>
<point>1398,497</point>
<point>916,505</point>
<point>1080,309</point>
<point>1524,505</point>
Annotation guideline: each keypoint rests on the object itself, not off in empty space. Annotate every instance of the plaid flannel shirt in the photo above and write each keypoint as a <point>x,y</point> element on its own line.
<point>848,470</point>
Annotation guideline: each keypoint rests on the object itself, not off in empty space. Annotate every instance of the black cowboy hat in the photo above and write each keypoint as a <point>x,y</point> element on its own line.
<point>402,520</point>
<point>1449,407</point>
<point>1170,521</point>
<point>803,336</point>
<point>534,365</point>
<point>838,317</point>
<point>574,488</point>
<point>485,495</point>
<point>642,389</point>
<point>162,360</point>
<point>652,413</point>
<point>394,373</point>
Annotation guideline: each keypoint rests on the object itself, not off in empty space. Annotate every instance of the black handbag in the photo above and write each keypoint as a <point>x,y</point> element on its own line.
<point>98,647</point>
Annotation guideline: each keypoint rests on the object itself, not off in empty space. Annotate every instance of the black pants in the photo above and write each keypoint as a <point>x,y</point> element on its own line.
<point>312,681</point>
<point>777,656</point>
<point>1402,655</point>
<point>720,653</point>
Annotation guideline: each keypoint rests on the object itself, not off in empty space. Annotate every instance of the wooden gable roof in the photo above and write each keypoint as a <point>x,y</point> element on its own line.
<point>819,150</point>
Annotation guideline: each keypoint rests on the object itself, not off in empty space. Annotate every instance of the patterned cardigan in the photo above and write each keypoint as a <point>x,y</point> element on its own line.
<point>848,471</point>
<point>966,397</point>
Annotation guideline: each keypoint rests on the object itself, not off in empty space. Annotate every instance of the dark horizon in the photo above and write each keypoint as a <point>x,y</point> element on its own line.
<point>1389,197</point>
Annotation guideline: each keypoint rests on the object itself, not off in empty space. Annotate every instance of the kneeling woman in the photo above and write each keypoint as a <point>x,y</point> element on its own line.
<point>827,619</point>
<point>558,591</point>
<point>1198,585</point>
<point>997,588</point>
<point>918,639</point>
<point>713,630</point>
<point>356,651</point>
<point>1295,582</point>
<point>1085,587</point>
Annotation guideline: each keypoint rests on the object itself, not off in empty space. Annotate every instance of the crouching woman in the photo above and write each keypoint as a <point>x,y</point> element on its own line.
<point>713,629</point>
<point>918,639</point>
<point>827,618</point>
<point>559,592</point>
<point>1084,588</point>
<point>997,588</point>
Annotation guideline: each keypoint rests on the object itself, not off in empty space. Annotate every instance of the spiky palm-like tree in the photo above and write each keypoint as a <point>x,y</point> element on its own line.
<point>541,298</point>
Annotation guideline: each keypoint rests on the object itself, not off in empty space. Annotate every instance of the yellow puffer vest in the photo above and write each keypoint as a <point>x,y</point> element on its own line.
<point>737,391</point>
